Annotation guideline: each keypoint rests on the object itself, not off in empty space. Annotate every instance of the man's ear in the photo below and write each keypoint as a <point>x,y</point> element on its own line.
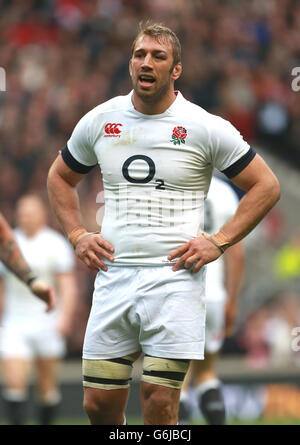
<point>177,70</point>
<point>130,67</point>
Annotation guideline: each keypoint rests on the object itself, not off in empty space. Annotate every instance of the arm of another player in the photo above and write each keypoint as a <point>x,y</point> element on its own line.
<point>63,196</point>
<point>262,192</point>
<point>68,294</point>
<point>234,262</point>
<point>1,299</point>
<point>12,257</point>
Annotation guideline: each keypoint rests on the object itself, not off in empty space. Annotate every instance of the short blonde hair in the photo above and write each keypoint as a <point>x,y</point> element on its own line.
<point>159,31</point>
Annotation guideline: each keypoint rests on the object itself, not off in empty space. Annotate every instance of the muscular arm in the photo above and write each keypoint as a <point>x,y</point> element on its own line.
<point>63,196</point>
<point>262,193</point>
<point>12,257</point>
<point>10,253</point>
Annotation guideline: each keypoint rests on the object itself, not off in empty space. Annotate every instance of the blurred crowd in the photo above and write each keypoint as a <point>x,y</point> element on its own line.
<point>63,57</point>
<point>270,334</point>
<point>268,328</point>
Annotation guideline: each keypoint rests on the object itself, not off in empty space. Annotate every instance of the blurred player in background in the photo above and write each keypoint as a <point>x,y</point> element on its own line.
<point>28,333</point>
<point>12,257</point>
<point>224,279</point>
<point>154,149</point>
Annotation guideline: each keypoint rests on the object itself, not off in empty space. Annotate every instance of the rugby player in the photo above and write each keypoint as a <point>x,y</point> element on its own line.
<point>156,151</point>
<point>29,335</point>
<point>12,257</point>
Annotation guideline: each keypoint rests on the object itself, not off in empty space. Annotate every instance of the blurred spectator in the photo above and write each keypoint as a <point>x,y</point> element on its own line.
<point>252,338</point>
<point>266,335</point>
<point>278,329</point>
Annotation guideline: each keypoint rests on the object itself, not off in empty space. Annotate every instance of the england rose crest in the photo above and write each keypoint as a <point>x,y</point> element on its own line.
<point>179,135</point>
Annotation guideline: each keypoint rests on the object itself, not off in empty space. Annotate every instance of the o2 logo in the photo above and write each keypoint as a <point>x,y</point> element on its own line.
<point>147,160</point>
<point>149,175</point>
<point>296,80</point>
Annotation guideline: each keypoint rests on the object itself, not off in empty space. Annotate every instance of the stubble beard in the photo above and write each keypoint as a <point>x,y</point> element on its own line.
<point>156,96</point>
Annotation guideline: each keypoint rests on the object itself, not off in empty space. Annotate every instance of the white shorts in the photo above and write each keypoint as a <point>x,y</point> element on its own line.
<point>31,340</point>
<point>152,309</point>
<point>214,328</point>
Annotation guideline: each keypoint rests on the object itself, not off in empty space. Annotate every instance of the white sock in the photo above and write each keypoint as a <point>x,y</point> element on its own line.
<point>184,396</point>
<point>52,397</point>
<point>14,395</point>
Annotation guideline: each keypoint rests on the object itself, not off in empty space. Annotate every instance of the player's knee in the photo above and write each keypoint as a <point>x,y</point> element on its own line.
<point>157,396</point>
<point>160,402</point>
<point>50,397</point>
<point>95,404</point>
<point>101,409</point>
<point>162,380</point>
<point>106,385</point>
<point>92,404</point>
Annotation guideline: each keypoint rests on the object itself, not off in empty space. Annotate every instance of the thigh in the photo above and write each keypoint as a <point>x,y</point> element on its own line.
<point>15,341</point>
<point>110,331</point>
<point>47,374</point>
<point>173,314</point>
<point>203,368</point>
<point>214,328</point>
<point>106,388</point>
<point>108,374</point>
<point>159,404</point>
<point>47,341</point>
<point>105,407</point>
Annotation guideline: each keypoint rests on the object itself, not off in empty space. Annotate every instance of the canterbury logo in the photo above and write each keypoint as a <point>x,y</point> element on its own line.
<point>112,130</point>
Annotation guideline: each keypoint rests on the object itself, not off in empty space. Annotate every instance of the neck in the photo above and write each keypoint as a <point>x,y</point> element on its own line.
<point>152,106</point>
<point>31,232</point>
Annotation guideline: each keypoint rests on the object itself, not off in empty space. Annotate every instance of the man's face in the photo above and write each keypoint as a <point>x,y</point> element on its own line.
<point>151,68</point>
<point>30,214</point>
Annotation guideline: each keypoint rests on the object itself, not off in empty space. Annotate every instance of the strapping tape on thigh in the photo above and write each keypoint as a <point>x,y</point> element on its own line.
<point>107,374</point>
<point>165,372</point>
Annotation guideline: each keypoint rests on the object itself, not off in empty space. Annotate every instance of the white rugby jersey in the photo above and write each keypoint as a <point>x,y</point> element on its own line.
<point>48,253</point>
<point>220,206</point>
<point>156,172</point>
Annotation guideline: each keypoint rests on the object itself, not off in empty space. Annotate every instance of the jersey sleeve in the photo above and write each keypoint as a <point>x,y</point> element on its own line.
<point>79,154</point>
<point>229,152</point>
